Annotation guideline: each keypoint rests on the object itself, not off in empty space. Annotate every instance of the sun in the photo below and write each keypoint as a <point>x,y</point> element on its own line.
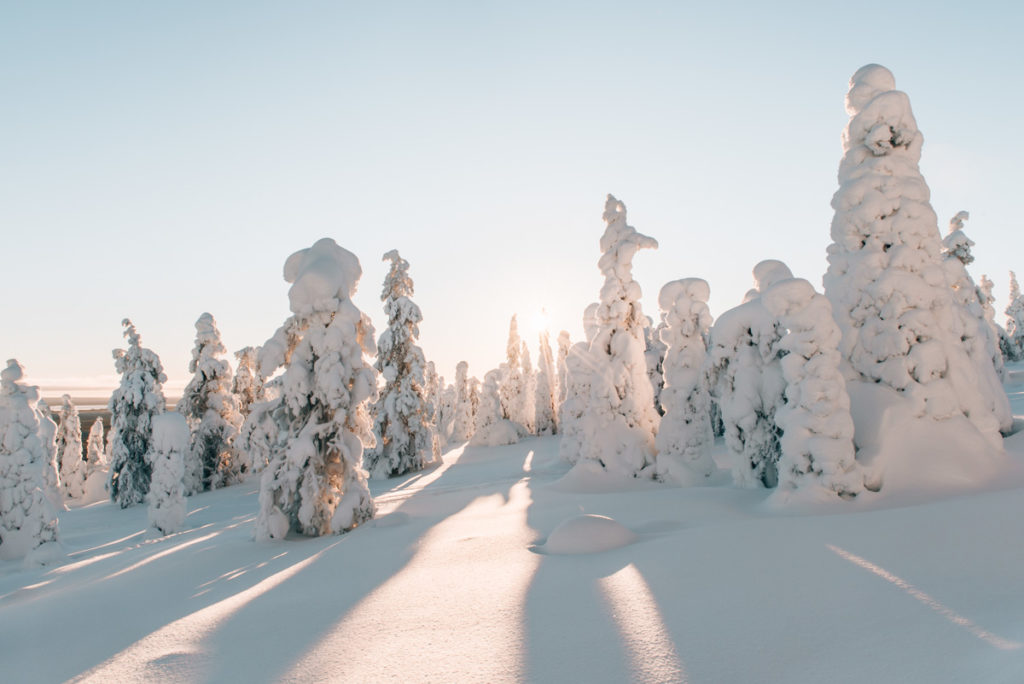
<point>540,321</point>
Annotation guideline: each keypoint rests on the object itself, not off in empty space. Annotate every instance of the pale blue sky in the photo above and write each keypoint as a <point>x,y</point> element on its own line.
<point>161,160</point>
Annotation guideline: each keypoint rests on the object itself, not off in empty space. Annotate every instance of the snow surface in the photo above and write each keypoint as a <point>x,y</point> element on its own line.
<point>443,586</point>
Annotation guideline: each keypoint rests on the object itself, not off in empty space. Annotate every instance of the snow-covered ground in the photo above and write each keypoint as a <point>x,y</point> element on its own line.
<point>456,580</point>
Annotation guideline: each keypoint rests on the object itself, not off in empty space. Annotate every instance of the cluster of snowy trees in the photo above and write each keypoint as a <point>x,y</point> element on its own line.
<point>322,406</point>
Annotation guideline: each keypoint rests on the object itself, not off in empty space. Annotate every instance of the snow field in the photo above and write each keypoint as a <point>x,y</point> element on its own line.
<point>443,586</point>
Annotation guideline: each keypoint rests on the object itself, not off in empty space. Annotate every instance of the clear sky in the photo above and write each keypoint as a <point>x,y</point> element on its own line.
<point>159,160</point>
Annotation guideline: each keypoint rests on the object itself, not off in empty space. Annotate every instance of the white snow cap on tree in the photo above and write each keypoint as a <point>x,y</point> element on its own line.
<point>546,416</point>
<point>28,519</point>
<point>314,482</point>
<point>619,420</point>
<point>133,405</point>
<point>212,413</point>
<point>978,338</point>
<point>564,343</point>
<point>491,428</point>
<point>817,429</point>
<point>406,441</point>
<point>684,438</point>
<point>528,405</point>
<point>885,278</point>
<point>169,446</point>
<point>69,450</point>
<point>746,380</point>
<point>462,425</point>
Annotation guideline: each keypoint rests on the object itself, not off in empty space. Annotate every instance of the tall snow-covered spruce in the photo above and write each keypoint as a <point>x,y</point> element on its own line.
<point>28,518</point>
<point>133,405</point>
<point>171,443</point>
<point>685,438</point>
<point>619,421</point>
<point>747,382</point>
<point>462,426</point>
<point>1013,343</point>
<point>406,441</point>
<point>247,384</point>
<point>545,401</point>
<point>817,428</point>
<point>512,389</point>
<point>69,450</point>
<point>978,338</point>
<point>885,278</point>
<point>212,413</point>
<point>314,482</point>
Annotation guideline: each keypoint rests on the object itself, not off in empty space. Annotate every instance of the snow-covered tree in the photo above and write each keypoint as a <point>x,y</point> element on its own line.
<point>462,425</point>
<point>95,478</point>
<point>432,387</point>
<point>546,420</point>
<point>579,368</point>
<point>978,339</point>
<point>211,410</point>
<point>491,427</point>
<point>746,380</point>
<point>170,443</point>
<point>28,518</point>
<point>405,437</point>
<point>564,344</point>
<point>69,450</point>
<point>132,406</point>
<point>885,277</point>
<point>685,438</point>
<point>247,385</point>
<point>474,397</point>
<point>314,482</point>
<point>817,429</point>
<point>513,385</point>
<point>51,470</point>
<point>528,400</point>
<point>654,352</point>
<point>988,309</point>
<point>446,412</point>
<point>619,421</point>
<point>1014,344</point>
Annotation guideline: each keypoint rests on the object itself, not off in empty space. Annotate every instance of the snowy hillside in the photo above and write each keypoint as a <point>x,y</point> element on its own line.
<point>464,576</point>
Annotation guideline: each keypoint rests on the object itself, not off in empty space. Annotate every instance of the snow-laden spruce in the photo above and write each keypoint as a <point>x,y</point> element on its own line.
<point>211,410</point>
<point>746,380</point>
<point>170,444</point>
<point>1014,342</point>
<point>462,425</point>
<point>446,412</point>
<point>885,277</point>
<point>406,441</point>
<point>817,428</point>
<point>684,438</point>
<point>654,352</point>
<point>988,309</point>
<point>978,338</point>
<point>528,404</point>
<point>133,405</point>
<point>28,518</point>
<point>512,389</point>
<point>491,428</point>
<point>95,472</point>
<point>51,470</point>
<point>432,389</point>
<point>546,413</point>
<point>564,344</point>
<point>578,371</point>
<point>247,384</point>
<point>69,450</point>
<point>619,421</point>
<point>314,482</point>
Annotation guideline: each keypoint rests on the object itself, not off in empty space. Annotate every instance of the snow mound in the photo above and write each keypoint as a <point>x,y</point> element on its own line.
<point>906,454</point>
<point>588,534</point>
<point>588,477</point>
